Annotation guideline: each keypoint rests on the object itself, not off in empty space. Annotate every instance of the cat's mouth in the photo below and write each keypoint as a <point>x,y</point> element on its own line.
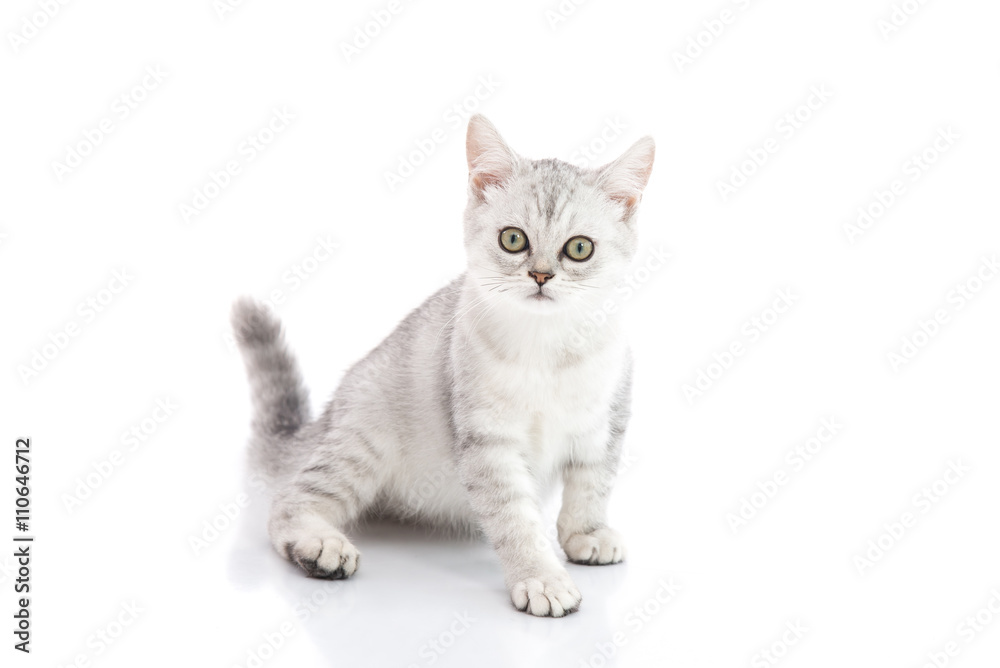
<point>540,296</point>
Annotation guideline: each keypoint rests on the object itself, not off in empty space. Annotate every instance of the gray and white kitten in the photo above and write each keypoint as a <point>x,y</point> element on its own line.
<point>495,386</point>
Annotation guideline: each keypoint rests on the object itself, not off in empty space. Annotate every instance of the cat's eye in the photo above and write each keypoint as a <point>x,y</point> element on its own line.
<point>579,248</point>
<point>513,240</point>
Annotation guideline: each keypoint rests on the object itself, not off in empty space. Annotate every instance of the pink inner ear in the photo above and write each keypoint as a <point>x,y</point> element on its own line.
<point>630,201</point>
<point>483,180</point>
<point>624,179</point>
<point>628,196</point>
<point>491,162</point>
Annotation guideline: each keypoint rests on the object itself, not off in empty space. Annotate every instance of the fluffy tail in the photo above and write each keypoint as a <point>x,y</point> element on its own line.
<point>280,399</point>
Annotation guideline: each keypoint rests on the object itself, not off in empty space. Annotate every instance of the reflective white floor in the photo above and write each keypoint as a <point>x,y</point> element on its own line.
<point>692,592</point>
<point>421,600</point>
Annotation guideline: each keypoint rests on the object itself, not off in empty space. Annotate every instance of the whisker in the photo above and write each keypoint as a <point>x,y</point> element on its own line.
<point>458,314</point>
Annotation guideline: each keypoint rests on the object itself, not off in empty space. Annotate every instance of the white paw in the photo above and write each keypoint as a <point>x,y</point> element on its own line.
<point>603,546</point>
<point>549,594</point>
<point>329,558</point>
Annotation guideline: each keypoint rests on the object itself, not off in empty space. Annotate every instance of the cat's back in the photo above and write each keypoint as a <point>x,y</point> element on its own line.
<point>400,398</point>
<point>409,368</point>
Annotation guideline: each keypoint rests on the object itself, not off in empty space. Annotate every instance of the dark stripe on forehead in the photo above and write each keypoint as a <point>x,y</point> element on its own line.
<point>550,202</point>
<point>567,196</point>
<point>553,189</point>
<point>536,191</point>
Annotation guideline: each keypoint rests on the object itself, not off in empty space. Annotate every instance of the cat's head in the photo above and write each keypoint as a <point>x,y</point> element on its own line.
<point>546,235</point>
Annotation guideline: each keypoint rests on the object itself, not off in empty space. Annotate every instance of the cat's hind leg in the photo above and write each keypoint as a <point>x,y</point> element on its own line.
<point>338,484</point>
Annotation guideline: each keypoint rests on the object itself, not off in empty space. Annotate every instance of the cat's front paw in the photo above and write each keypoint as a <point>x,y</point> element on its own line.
<point>328,558</point>
<point>599,547</point>
<point>547,594</point>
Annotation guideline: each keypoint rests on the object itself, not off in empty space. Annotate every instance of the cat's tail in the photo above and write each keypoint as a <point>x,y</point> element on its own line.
<point>280,399</point>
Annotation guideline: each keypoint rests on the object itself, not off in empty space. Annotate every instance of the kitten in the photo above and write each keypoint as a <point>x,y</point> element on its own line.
<point>482,396</point>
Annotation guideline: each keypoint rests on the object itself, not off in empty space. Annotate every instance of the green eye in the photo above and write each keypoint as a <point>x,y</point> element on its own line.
<point>513,240</point>
<point>579,248</point>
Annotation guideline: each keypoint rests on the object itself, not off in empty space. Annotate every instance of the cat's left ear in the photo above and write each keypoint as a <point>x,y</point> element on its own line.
<point>491,161</point>
<point>624,179</point>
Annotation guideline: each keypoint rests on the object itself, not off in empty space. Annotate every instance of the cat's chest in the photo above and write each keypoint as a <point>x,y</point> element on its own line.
<point>549,396</point>
<point>553,388</point>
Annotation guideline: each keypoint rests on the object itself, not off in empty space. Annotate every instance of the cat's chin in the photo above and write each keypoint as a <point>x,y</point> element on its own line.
<point>539,302</point>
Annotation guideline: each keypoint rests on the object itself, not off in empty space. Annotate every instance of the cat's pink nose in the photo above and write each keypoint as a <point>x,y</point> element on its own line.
<point>540,276</point>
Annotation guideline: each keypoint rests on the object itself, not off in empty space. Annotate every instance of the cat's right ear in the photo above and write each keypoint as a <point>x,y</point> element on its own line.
<point>491,161</point>
<point>625,178</point>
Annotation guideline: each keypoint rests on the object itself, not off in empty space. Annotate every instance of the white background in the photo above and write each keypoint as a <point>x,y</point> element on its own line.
<point>558,85</point>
